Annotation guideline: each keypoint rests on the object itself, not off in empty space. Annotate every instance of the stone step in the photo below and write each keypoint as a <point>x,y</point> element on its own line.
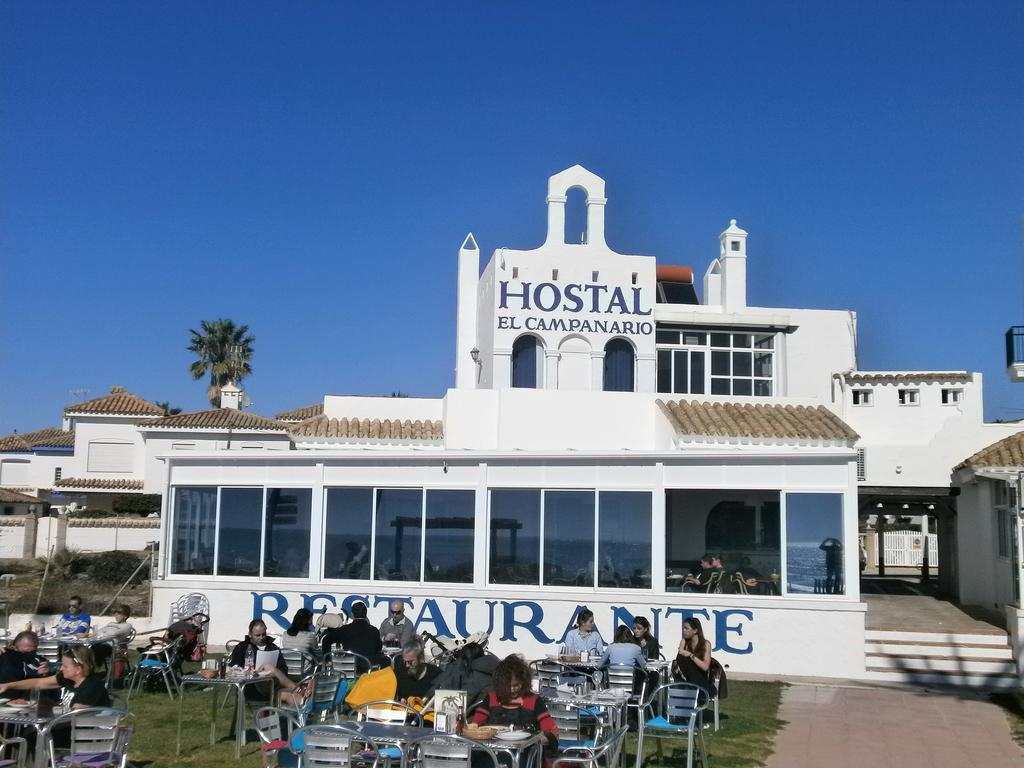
<point>910,677</point>
<point>941,664</point>
<point>959,650</point>
<point>996,637</point>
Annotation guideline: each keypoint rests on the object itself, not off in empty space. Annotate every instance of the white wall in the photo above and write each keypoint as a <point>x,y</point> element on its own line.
<point>164,443</point>
<point>12,537</point>
<point>109,534</point>
<point>106,429</point>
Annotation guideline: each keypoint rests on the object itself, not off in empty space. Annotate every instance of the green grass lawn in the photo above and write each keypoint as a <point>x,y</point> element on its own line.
<point>749,722</point>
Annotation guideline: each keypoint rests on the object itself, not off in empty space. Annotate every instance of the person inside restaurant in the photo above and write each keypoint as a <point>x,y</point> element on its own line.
<point>358,636</point>
<point>77,675</point>
<point>708,579</point>
<point>414,675</point>
<point>76,621</point>
<point>397,629</point>
<point>584,638</point>
<point>512,703</point>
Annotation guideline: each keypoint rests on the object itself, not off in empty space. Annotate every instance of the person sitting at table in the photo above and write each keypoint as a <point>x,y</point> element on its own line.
<point>710,569</point>
<point>358,636</point>
<point>512,703</point>
<point>415,677</point>
<point>119,628</point>
<point>693,659</point>
<point>584,637</point>
<point>642,636</point>
<point>21,660</point>
<point>300,635</point>
<point>256,640</point>
<point>396,630</point>
<point>622,651</point>
<point>76,621</point>
<point>82,687</point>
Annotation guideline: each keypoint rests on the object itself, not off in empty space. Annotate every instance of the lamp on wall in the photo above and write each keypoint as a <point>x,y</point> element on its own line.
<point>475,354</point>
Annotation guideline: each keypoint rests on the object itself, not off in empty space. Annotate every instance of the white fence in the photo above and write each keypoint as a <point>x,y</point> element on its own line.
<point>906,549</point>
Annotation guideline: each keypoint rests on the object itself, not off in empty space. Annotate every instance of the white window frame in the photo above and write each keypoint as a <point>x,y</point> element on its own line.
<point>706,349</point>
<point>865,395</point>
<point>952,395</point>
<point>908,397</point>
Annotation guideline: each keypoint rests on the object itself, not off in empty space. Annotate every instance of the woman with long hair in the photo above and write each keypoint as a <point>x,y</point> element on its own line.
<point>693,659</point>
<point>584,638</point>
<point>642,636</point>
<point>511,702</point>
<point>77,675</point>
<point>300,635</point>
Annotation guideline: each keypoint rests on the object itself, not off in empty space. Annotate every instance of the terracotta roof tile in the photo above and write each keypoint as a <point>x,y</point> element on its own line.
<point>117,402</point>
<point>23,442</point>
<point>1008,452</point>
<point>890,376</point>
<point>99,484</point>
<point>391,430</point>
<point>7,496</point>
<point>301,414</point>
<point>216,419</point>
<point>756,420</point>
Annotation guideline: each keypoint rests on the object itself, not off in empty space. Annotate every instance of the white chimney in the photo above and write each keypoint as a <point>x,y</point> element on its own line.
<point>230,396</point>
<point>466,366</point>
<point>732,256</point>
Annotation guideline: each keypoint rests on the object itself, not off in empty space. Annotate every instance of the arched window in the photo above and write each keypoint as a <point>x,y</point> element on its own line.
<point>527,362</point>
<point>576,216</point>
<point>619,365</point>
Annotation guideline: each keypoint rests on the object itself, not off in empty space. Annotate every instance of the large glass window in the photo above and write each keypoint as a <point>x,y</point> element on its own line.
<point>399,528</point>
<point>619,365</point>
<point>286,551</point>
<point>451,518</point>
<point>624,544</point>
<point>722,541</point>
<point>515,536</point>
<point>569,538</point>
<point>814,543</point>
<point>195,529</point>
<point>527,362</point>
<point>740,363</point>
<point>238,531</point>
<point>347,533</point>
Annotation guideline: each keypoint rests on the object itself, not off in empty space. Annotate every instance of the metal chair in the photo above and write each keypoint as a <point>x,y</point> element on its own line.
<point>274,741</point>
<point>682,716</point>
<point>605,752</point>
<point>387,711</point>
<point>546,672</point>
<point>20,749</point>
<point>158,660</point>
<point>49,649</point>
<point>570,720</point>
<point>322,700</point>
<point>333,746</point>
<point>99,738</point>
<point>625,678</point>
<point>300,664</point>
<point>349,664</point>
<point>448,751</point>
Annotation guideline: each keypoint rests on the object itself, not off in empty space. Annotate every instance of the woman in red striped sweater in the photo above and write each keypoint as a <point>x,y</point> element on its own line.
<point>512,703</point>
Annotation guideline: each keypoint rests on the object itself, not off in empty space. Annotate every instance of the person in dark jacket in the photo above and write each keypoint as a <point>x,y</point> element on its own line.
<point>358,636</point>
<point>21,661</point>
<point>414,675</point>
<point>472,671</point>
<point>257,640</point>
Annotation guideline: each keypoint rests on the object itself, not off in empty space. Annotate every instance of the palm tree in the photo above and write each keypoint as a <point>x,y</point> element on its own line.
<point>169,410</point>
<point>224,351</point>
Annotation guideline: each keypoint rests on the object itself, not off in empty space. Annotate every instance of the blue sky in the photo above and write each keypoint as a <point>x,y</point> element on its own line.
<point>311,169</point>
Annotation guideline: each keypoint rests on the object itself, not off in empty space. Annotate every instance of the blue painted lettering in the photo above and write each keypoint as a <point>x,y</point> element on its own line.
<point>430,613</point>
<point>309,602</point>
<point>506,295</point>
<point>278,613</point>
<point>532,624</point>
<point>351,600</point>
<point>619,301</point>
<point>572,294</point>
<point>636,303</point>
<point>460,617</point>
<point>538,296</point>
<point>723,628</point>
<point>572,621</point>
<point>685,613</point>
<point>595,293</point>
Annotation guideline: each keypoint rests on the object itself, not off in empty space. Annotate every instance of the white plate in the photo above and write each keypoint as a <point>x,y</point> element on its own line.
<point>20,706</point>
<point>513,735</point>
<point>4,699</point>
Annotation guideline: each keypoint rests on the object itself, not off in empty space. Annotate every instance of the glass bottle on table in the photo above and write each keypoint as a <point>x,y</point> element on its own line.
<point>250,661</point>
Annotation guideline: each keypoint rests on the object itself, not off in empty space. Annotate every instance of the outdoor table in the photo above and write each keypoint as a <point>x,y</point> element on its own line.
<point>34,718</point>
<point>215,684</point>
<point>382,733</point>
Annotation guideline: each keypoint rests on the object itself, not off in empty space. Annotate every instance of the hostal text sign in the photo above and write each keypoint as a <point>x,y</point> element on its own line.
<point>531,306</point>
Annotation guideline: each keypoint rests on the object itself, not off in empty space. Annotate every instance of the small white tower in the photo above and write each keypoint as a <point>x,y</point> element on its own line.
<point>230,396</point>
<point>732,257</point>
<point>466,351</point>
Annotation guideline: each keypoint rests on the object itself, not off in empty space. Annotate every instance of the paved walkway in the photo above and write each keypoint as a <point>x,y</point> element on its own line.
<point>880,728</point>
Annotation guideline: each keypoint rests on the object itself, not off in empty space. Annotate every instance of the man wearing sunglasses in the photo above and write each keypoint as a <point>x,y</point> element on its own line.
<point>397,629</point>
<point>76,621</point>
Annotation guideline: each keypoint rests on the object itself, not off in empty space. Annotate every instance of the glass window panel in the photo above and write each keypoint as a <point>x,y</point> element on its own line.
<point>815,548</point>
<point>740,527</point>
<point>448,539</point>
<point>239,531</point>
<point>741,364</point>
<point>195,530</point>
<point>515,536</point>
<point>619,366</point>
<point>763,364</point>
<point>569,538</point>
<point>286,552</point>
<point>697,373</point>
<point>664,370</point>
<point>695,339</point>
<point>764,341</point>
<point>719,363</point>
<point>679,376</point>
<point>720,340</point>
<point>396,544</point>
<point>525,352</point>
<point>741,387</point>
<point>347,533</point>
<point>666,337</point>
<point>762,388</point>
<point>720,387</point>
<point>741,340</point>
<point>624,547</point>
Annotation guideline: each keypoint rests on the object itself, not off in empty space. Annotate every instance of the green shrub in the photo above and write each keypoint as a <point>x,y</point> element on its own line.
<point>64,565</point>
<point>130,504</point>
<point>114,567</point>
<point>90,514</point>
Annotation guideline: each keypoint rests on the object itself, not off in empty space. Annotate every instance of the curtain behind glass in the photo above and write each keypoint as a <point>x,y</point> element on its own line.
<point>618,366</point>
<point>524,362</point>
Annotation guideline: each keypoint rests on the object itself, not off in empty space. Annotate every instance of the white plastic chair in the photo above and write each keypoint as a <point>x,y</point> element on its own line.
<point>99,738</point>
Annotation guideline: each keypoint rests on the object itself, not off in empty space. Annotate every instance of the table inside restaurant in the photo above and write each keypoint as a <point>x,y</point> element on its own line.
<point>216,684</point>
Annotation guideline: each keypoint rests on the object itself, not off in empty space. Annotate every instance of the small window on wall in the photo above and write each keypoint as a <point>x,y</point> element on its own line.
<point>619,366</point>
<point>1003,532</point>
<point>952,396</point>
<point>527,362</point>
<point>57,472</point>
<point>862,397</point>
<point>908,396</point>
<point>815,546</point>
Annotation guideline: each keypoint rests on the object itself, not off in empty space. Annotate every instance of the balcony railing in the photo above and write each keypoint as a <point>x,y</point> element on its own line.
<point>1015,352</point>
